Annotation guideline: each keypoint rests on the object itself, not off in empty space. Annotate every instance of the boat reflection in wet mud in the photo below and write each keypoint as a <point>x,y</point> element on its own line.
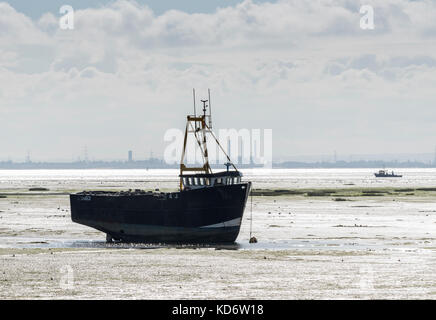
<point>386,174</point>
<point>208,207</point>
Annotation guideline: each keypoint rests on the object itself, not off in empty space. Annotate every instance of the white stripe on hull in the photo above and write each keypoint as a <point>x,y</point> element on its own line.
<point>230,223</point>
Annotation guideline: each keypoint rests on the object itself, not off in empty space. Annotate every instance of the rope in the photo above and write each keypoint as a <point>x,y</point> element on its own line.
<point>222,149</point>
<point>251,213</point>
<point>252,239</point>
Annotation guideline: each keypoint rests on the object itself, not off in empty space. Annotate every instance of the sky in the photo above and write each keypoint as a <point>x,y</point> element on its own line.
<point>35,9</point>
<point>305,69</point>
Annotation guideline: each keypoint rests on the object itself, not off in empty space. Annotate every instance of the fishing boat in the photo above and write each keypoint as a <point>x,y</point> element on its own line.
<point>386,174</point>
<point>207,208</point>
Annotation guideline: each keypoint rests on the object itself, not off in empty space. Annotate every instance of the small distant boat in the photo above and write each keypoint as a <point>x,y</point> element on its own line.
<point>386,174</point>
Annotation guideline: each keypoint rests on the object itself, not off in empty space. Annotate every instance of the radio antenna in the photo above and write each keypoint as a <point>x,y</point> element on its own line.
<point>195,112</point>
<point>204,107</point>
<point>193,93</point>
<point>210,111</point>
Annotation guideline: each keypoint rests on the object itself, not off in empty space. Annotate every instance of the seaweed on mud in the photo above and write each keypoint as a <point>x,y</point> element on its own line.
<point>38,189</point>
<point>317,194</point>
<point>321,193</point>
<point>426,189</point>
<point>280,192</point>
<point>340,199</point>
<point>284,191</point>
<point>277,192</point>
<point>341,193</point>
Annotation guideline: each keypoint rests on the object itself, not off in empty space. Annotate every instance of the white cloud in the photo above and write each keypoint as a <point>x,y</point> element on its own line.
<point>48,22</point>
<point>125,68</point>
<point>18,29</point>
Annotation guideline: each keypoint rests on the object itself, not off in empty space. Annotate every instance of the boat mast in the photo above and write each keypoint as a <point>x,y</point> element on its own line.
<point>200,125</point>
<point>195,112</point>
<point>210,111</point>
<point>196,125</point>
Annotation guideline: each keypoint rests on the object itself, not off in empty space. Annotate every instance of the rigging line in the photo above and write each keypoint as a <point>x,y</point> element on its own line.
<point>228,158</point>
<point>251,212</point>
<point>184,144</point>
<point>195,112</point>
<point>199,144</point>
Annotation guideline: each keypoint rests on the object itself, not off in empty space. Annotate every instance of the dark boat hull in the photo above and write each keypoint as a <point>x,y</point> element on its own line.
<point>387,175</point>
<point>207,215</point>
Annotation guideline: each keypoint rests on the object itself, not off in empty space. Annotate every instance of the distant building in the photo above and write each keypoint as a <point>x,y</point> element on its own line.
<point>241,150</point>
<point>434,162</point>
<point>28,157</point>
<point>130,156</point>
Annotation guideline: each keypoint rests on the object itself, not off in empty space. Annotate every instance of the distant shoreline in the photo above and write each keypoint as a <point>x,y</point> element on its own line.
<point>160,164</point>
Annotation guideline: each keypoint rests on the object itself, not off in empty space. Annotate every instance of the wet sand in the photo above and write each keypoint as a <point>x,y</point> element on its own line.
<point>310,247</point>
<point>216,274</point>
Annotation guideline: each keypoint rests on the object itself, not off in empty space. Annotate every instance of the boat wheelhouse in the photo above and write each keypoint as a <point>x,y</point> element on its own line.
<point>195,181</point>
<point>386,174</point>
